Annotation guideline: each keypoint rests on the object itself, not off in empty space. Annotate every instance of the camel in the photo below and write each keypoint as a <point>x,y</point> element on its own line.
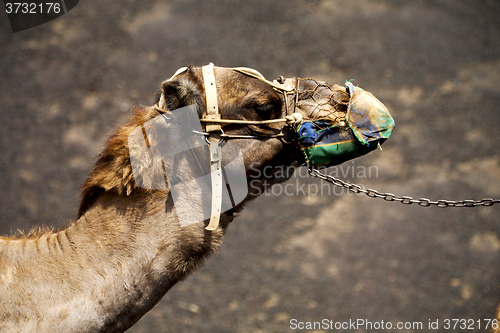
<point>104,271</point>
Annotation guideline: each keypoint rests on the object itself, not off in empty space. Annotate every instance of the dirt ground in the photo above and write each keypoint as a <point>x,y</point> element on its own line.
<point>66,85</point>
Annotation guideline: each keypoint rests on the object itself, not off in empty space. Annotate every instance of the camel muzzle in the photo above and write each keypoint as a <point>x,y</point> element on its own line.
<point>365,126</point>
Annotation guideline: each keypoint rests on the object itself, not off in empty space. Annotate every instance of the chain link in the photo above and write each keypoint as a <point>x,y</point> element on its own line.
<point>402,199</point>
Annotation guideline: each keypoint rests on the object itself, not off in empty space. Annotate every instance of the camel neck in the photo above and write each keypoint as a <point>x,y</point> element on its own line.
<point>105,270</point>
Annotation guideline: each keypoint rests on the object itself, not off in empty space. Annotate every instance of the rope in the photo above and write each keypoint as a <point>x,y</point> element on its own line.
<point>244,122</point>
<point>294,118</point>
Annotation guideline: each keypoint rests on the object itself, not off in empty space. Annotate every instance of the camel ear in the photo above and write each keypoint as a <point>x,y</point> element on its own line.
<point>179,93</point>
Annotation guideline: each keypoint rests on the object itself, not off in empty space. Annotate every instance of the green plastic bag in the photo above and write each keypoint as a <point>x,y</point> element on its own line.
<point>368,125</point>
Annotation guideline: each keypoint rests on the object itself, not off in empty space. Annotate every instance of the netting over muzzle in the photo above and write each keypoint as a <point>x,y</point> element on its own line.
<point>340,123</point>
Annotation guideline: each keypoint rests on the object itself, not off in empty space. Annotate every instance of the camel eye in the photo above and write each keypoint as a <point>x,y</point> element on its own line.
<point>264,108</point>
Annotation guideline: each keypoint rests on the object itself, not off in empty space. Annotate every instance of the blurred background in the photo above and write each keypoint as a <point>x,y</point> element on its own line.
<point>66,85</point>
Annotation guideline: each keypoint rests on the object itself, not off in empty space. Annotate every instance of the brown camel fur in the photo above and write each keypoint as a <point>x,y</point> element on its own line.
<point>104,271</point>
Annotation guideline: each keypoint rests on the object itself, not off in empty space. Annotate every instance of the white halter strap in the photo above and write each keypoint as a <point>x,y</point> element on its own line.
<point>211,98</point>
<point>282,87</point>
<point>214,148</point>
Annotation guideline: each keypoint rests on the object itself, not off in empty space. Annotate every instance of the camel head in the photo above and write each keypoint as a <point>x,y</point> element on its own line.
<point>248,123</point>
<point>244,94</point>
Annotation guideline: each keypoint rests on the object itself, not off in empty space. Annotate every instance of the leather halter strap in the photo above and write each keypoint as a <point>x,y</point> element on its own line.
<point>288,87</point>
<point>215,150</point>
<point>211,98</point>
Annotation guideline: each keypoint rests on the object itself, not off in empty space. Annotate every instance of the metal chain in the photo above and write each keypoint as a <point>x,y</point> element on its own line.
<point>402,199</point>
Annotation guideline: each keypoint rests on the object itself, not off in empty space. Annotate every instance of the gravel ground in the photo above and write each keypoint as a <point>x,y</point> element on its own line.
<point>66,85</point>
